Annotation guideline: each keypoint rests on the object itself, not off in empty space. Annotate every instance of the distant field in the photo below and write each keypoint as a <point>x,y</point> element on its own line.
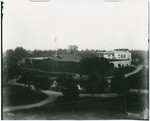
<point>16,95</point>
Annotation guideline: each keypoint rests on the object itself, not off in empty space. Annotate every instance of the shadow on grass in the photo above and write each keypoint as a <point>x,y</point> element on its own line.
<point>62,99</point>
<point>16,96</point>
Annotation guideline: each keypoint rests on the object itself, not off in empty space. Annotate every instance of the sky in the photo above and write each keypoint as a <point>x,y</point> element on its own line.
<point>90,24</point>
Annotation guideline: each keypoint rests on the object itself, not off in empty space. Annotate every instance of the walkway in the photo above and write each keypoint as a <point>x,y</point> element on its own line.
<point>52,96</point>
<point>49,92</point>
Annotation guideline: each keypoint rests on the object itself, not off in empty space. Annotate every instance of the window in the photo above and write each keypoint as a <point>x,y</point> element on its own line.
<point>121,56</point>
<point>124,56</point>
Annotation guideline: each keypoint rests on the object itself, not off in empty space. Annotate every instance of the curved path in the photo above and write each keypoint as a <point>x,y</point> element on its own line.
<point>57,94</point>
<point>52,96</point>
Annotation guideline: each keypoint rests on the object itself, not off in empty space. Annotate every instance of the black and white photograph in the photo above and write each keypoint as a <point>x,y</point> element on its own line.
<point>74,60</point>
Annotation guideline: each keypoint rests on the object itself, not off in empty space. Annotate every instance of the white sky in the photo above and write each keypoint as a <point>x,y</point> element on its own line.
<point>88,24</point>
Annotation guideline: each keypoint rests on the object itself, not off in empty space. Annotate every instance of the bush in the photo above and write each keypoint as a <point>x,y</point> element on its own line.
<point>27,78</point>
<point>39,82</point>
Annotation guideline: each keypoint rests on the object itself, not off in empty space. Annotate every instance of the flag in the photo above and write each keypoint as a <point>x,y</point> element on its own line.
<point>55,39</point>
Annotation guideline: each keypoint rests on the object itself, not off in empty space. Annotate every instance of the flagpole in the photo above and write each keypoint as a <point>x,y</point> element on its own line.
<point>56,46</point>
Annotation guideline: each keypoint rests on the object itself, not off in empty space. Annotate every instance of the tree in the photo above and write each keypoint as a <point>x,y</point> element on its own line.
<point>96,68</point>
<point>12,56</point>
<point>92,83</point>
<point>20,53</point>
<point>10,64</point>
<point>28,78</point>
<point>119,83</point>
<point>73,49</point>
<point>44,82</point>
<point>87,53</point>
<point>95,84</point>
<point>139,56</point>
<point>68,87</point>
<point>62,52</point>
<point>95,65</point>
<point>37,84</point>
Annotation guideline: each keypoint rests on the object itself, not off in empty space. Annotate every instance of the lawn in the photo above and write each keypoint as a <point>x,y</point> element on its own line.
<point>39,72</point>
<point>139,80</point>
<point>124,70</point>
<point>88,109</point>
<point>16,95</point>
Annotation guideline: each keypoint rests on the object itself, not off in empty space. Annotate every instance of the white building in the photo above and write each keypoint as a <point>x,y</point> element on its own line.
<point>123,54</point>
<point>117,57</point>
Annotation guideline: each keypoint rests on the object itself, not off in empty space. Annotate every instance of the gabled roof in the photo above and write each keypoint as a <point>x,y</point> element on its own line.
<point>72,58</point>
<point>55,58</point>
<point>121,49</point>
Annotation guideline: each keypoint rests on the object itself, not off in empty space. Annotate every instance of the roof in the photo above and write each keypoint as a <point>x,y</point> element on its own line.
<point>102,51</point>
<point>118,60</point>
<point>37,58</point>
<point>73,58</point>
<point>121,49</point>
<point>109,52</point>
<point>106,52</point>
<point>55,58</point>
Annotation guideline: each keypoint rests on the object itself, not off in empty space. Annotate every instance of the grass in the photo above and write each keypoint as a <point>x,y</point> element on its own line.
<point>125,70</point>
<point>16,95</point>
<point>140,79</point>
<point>36,71</point>
<point>87,109</point>
<point>111,72</point>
